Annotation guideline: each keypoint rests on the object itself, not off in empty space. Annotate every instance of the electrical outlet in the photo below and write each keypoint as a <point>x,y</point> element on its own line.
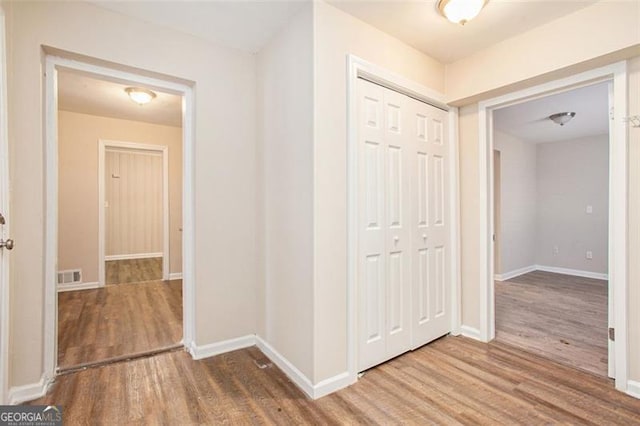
<point>589,254</point>
<point>556,250</point>
<point>589,209</point>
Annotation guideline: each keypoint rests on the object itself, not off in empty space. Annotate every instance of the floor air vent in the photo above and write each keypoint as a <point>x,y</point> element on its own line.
<point>72,276</point>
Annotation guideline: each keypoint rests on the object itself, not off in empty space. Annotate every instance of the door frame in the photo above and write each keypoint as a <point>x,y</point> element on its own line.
<point>618,164</point>
<point>357,67</point>
<point>53,62</point>
<point>103,146</point>
<point>4,203</point>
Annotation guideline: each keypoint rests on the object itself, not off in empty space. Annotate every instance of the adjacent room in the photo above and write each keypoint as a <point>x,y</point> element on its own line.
<point>551,174</point>
<point>119,220</point>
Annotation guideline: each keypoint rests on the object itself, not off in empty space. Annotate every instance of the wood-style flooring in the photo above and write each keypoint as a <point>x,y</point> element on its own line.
<point>560,317</point>
<point>133,270</point>
<point>118,320</point>
<point>451,381</point>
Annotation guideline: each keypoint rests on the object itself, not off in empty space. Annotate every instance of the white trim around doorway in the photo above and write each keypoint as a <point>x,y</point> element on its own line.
<point>52,64</point>
<point>359,68</point>
<point>618,185</point>
<point>103,146</point>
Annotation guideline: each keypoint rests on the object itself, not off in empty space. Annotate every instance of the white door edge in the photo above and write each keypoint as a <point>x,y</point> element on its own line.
<point>4,205</point>
<point>617,74</point>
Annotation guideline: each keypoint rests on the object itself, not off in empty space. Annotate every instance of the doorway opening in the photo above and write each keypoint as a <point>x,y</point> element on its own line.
<point>119,252</point>
<point>551,227</point>
<point>616,258</point>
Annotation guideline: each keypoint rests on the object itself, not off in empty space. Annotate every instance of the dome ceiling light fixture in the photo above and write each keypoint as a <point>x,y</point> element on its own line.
<point>562,118</point>
<point>139,95</point>
<point>460,11</point>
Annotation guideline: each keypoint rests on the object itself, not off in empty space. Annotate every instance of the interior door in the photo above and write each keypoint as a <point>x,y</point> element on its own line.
<point>384,213</point>
<point>431,317</point>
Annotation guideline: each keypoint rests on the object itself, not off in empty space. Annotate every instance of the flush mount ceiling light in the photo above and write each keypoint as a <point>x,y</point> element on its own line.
<point>460,11</point>
<point>562,118</point>
<point>139,95</point>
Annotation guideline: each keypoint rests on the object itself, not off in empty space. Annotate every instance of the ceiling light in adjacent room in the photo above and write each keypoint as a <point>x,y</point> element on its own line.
<point>562,118</point>
<point>460,11</point>
<point>139,95</point>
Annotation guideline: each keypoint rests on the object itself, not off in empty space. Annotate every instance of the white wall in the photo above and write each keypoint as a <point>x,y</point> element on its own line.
<point>518,202</point>
<point>285,102</point>
<point>634,223</point>
<point>224,82</point>
<point>545,189</point>
<point>338,34</point>
<point>601,33</point>
<point>570,176</point>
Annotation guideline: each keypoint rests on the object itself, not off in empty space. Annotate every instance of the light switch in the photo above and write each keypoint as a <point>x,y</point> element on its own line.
<point>589,209</point>
<point>589,254</point>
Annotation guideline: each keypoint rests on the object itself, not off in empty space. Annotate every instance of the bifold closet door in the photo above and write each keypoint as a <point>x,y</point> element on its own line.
<point>384,280</point>
<point>402,273</point>
<point>431,230</point>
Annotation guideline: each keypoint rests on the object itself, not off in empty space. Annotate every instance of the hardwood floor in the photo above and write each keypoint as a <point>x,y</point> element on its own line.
<point>453,380</point>
<point>113,321</point>
<point>133,270</point>
<point>560,317</point>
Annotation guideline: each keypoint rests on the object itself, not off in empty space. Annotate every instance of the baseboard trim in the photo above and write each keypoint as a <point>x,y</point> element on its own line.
<point>470,332</point>
<point>332,384</point>
<point>574,272</point>
<point>132,256</point>
<point>296,376</point>
<point>212,349</point>
<point>515,273</point>
<point>175,276</point>
<point>633,388</point>
<point>81,286</point>
<point>24,393</point>
<point>322,388</point>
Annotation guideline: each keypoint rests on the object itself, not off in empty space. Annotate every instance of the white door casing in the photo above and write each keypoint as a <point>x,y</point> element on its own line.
<point>53,63</point>
<point>618,198</point>
<point>403,211</point>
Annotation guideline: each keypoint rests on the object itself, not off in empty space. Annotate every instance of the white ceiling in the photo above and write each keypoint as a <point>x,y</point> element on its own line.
<point>245,25</point>
<point>248,25</point>
<point>86,94</point>
<point>529,121</point>
<point>419,24</point>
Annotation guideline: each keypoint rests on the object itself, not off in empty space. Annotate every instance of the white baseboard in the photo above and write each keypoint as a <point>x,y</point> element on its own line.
<point>175,276</point>
<point>470,332</point>
<point>24,393</point>
<point>132,256</point>
<point>217,348</point>
<point>319,390</point>
<point>332,384</point>
<point>516,272</point>
<point>633,388</point>
<point>287,367</point>
<point>574,272</point>
<point>81,286</point>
